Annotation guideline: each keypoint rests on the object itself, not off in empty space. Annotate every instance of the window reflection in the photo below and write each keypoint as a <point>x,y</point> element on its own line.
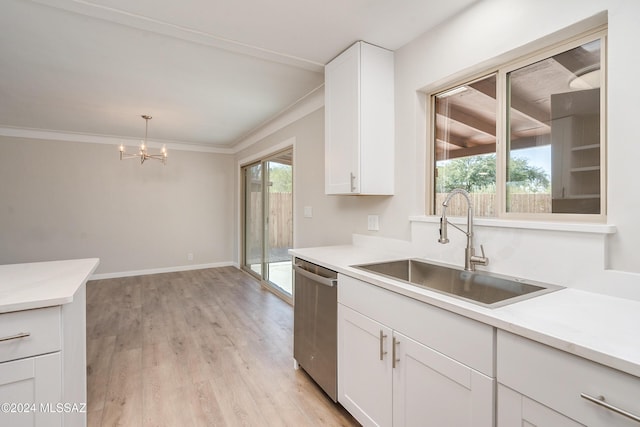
<point>465,145</point>
<point>551,110</point>
<point>553,163</point>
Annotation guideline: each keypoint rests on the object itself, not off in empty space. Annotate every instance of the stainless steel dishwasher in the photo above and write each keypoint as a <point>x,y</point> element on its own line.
<point>315,324</point>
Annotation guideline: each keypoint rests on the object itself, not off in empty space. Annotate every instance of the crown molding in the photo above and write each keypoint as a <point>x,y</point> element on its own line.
<point>50,135</point>
<point>149,24</point>
<point>306,105</point>
<point>301,108</point>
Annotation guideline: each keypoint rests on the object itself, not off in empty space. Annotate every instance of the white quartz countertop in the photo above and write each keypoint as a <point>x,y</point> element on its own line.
<point>42,284</point>
<point>598,327</point>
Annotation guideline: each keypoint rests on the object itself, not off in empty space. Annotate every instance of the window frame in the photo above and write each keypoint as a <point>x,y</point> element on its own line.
<point>502,128</point>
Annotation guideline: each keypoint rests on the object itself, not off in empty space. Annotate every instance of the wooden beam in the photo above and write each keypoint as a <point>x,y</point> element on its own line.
<point>578,59</point>
<point>472,121</point>
<point>530,141</point>
<point>531,112</point>
<point>516,144</point>
<point>452,138</point>
<point>469,151</point>
<point>525,108</point>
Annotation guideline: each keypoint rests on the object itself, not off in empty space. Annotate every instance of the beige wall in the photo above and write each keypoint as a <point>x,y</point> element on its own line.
<point>335,218</point>
<point>61,200</point>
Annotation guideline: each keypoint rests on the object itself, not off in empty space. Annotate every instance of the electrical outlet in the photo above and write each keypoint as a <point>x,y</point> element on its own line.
<point>308,212</point>
<point>373,223</point>
<point>190,256</point>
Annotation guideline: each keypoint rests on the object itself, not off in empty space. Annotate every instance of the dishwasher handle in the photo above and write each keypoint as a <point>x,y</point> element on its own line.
<point>326,281</point>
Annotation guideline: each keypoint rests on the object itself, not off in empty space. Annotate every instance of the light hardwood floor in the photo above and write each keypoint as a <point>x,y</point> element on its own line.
<point>198,348</point>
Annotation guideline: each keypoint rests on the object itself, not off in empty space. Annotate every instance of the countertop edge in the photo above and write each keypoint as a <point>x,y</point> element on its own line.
<point>33,305</point>
<point>51,288</point>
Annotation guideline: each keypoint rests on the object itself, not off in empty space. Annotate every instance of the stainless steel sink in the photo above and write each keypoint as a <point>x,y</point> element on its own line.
<point>487,289</point>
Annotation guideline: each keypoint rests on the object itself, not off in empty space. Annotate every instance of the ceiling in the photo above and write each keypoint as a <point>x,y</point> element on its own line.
<point>210,72</point>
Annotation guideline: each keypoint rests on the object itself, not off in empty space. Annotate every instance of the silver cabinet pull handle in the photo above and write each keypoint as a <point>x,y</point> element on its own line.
<point>600,401</point>
<point>382,352</point>
<point>327,281</point>
<point>394,361</point>
<point>16,336</point>
<point>352,177</point>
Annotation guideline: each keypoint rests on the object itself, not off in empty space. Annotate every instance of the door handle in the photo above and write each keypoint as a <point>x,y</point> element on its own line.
<point>327,281</point>
<point>394,360</point>
<point>16,336</point>
<point>600,401</point>
<point>382,352</point>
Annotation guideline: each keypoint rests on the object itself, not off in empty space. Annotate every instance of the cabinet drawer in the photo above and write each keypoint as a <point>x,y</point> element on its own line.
<point>464,340</point>
<point>43,329</point>
<point>557,379</point>
<point>514,409</point>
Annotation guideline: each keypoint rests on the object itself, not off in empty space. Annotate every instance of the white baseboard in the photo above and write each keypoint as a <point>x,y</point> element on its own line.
<point>162,270</point>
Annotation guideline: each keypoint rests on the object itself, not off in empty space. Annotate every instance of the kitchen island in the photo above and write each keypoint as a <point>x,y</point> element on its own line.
<point>43,343</point>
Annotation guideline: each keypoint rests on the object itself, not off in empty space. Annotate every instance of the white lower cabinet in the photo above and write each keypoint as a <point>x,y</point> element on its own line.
<point>544,387</point>
<point>431,389</point>
<point>43,365</point>
<point>388,376</point>
<point>30,390</point>
<point>515,409</point>
<point>364,368</point>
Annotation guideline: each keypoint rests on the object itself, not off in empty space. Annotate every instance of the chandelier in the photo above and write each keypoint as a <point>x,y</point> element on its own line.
<point>143,154</point>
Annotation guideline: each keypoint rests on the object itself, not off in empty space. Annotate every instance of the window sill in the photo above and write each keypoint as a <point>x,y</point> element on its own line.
<point>576,227</point>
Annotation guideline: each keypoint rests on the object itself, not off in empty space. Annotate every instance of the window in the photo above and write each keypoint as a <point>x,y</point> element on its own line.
<point>549,111</point>
<point>465,145</point>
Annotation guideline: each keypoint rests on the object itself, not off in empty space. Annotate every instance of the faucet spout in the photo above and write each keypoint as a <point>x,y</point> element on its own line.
<point>470,258</point>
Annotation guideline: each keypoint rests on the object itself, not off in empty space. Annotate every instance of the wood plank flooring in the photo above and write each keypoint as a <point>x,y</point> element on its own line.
<point>198,348</point>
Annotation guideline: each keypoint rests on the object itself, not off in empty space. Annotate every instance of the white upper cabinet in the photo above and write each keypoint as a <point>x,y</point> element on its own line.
<point>359,122</point>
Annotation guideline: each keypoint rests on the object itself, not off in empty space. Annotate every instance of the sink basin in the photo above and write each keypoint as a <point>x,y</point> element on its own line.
<point>487,289</point>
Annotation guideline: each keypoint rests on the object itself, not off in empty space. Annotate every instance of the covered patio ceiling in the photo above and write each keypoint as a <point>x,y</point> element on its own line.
<point>466,114</point>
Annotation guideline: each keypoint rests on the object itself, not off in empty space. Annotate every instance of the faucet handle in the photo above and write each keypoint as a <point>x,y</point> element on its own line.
<point>482,260</point>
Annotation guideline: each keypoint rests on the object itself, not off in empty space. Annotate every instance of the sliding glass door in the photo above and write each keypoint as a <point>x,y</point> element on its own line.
<point>268,220</point>
<point>253,219</point>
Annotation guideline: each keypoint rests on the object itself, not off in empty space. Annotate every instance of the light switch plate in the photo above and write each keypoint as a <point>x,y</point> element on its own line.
<point>308,212</point>
<point>373,223</point>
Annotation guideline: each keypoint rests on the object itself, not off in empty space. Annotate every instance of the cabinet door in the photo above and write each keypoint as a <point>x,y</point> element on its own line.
<point>364,368</point>
<point>515,409</point>
<point>431,389</point>
<point>342,123</point>
<point>30,389</point>
<point>562,381</point>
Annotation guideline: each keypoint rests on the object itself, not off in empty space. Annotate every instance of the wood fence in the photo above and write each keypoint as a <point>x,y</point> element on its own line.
<point>281,212</point>
<point>484,204</point>
<point>280,220</point>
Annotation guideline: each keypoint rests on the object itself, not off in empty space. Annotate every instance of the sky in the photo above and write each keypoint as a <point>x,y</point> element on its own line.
<point>537,156</point>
